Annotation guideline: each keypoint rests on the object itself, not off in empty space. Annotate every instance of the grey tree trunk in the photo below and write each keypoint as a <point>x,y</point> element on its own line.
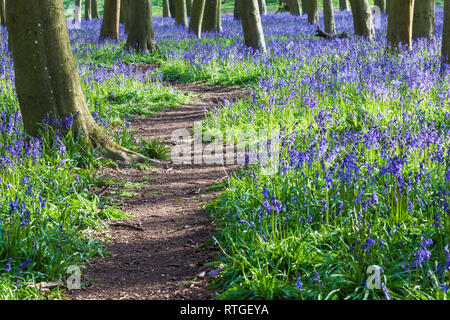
<point>87,10</point>
<point>94,8</point>
<point>362,18</point>
<point>446,37</point>
<point>343,5</point>
<point>40,42</point>
<point>381,4</point>
<point>195,22</point>
<point>251,25</point>
<point>328,17</point>
<point>3,12</point>
<point>262,6</point>
<point>211,16</point>
<point>400,23</point>
<point>111,16</point>
<point>166,9</point>
<point>294,7</point>
<point>77,14</point>
<point>423,21</point>
<point>237,10</point>
<point>188,7</point>
<point>313,12</point>
<point>181,13</point>
<point>141,35</point>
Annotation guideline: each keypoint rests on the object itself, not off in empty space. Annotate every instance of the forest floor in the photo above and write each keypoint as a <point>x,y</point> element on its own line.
<point>162,252</point>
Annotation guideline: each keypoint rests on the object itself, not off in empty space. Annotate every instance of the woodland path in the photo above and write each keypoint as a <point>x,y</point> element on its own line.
<point>162,251</point>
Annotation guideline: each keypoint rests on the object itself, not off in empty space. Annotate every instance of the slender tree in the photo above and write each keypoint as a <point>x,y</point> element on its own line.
<point>87,10</point>
<point>446,37</point>
<point>195,22</point>
<point>39,41</point>
<point>141,35</point>
<point>166,9</point>
<point>262,6</point>
<point>2,12</point>
<point>77,14</point>
<point>211,16</point>
<point>423,21</point>
<point>181,13</point>
<point>172,9</point>
<point>94,7</point>
<point>111,17</point>
<point>188,7</point>
<point>400,23</point>
<point>328,17</point>
<point>294,7</point>
<point>343,5</point>
<point>362,18</point>
<point>252,26</point>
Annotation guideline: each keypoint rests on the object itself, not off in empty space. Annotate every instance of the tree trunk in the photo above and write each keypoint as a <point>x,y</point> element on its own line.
<point>180,13</point>
<point>237,10</point>
<point>40,42</point>
<point>423,21</point>
<point>94,7</point>
<point>111,16</point>
<point>123,11</point>
<point>3,12</point>
<point>313,11</point>
<point>251,25</point>
<point>262,6</point>
<point>141,35</point>
<point>362,18</point>
<point>400,23</point>
<point>294,7</point>
<point>343,5</point>
<point>381,4</point>
<point>77,14</point>
<point>304,7</point>
<point>172,8</point>
<point>188,7</point>
<point>328,17</point>
<point>446,37</point>
<point>211,16</point>
<point>166,9</point>
<point>195,22</point>
<point>87,10</point>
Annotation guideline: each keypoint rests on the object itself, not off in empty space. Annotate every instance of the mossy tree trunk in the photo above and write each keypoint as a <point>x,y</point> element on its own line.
<point>446,37</point>
<point>211,16</point>
<point>195,22</point>
<point>423,20</point>
<point>111,17</point>
<point>237,10</point>
<point>328,17</point>
<point>400,23</point>
<point>294,7</point>
<point>343,5</point>
<point>40,42</point>
<point>141,35</point>
<point>87,10</point>
<point>180,13</point>
<point>362,18</point>
<point>251,25</point>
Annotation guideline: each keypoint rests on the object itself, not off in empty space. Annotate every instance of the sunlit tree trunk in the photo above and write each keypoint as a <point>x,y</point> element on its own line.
<point>251,25</point>
<point>87,10</point>
<point>180,13</point>
<point>195,22</point>
<point>262,6</point>
<point>343,5</point>
<point>446,37</point>
<point>400,23</point>
<point>362,18</point>
<point>423,21</point>
<point>166,9</point>
<point>211,16</point>
<point>141,35</point>
<point>328,17</point>
<point>111,16</point>
<point>40,42</point>
<point>77,14</point>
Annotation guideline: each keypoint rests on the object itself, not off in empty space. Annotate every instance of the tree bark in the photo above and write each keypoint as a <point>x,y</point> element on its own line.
<point>77,14</point>
<point>87,10</point>
<point>195,22</point>
<point>188,7</point>
<point>381,4</point>
<point>94,7</point>
<point>343,5</point>
<point>181,13</point>
<point>262,6</point>
<point>172,8</point>
<point>166,9</point>
<point>446,37</point>
<point>362,18</point>
<point>211,16</point>
<point>294,7</point>
<point>111,17</point>
<point>328,17</point>
<point>141,35</point>
<point>400,23</point>
<point>423,21</point>
<point>251,25</point>
<point>40,42</point>
<point>123,11</point>
<point>237,10</point>
<point>3,12</point>
<point>313,12</point>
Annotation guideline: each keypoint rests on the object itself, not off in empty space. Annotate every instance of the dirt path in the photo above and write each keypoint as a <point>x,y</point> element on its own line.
<point>161,252</point>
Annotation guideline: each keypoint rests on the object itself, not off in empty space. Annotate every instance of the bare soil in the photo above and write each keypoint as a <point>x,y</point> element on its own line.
<point>163,251</point>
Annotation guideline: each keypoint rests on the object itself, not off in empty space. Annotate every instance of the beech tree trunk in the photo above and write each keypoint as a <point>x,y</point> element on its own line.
<point>77,13</point>
<point>251,25</point>
<point>362,18</point>
<point>172,8</point>
<point>180,13</point>
<point>237,10</point>
<point>446,37</point>
<point>381,4</point>
<point>40,42</point>
<point>423,21</point>
<point>111,17</point>
<point>195,22</point>
<point>294,7</point>
<point>262,6</point>
<point>166,9</point>
<point>211,16</point>
<point>313,11</point>
<point>328,17</point>
<point>3,12</point>
<point>123,11</point>
<point>188,7</point>
<point>400,23</point>
<point>87,10</point>
<point>343,5</point>
<point>94,8</point>
<point>141,35</point>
